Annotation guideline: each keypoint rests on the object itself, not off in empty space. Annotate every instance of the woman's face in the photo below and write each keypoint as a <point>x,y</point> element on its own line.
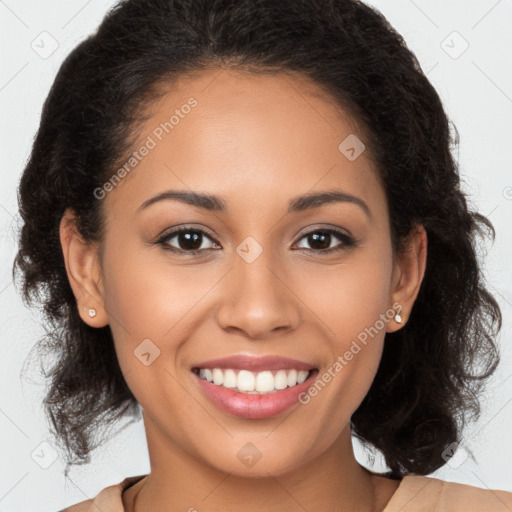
<point>261,283</point>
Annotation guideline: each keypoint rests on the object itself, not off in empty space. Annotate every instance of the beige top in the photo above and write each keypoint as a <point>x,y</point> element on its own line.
<point>416,493</point>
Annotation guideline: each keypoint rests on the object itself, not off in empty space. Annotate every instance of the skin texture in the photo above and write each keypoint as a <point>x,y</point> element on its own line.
<point>257,141</point>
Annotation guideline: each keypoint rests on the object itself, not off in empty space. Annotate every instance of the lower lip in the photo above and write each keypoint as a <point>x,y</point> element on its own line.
<point>254,406</point>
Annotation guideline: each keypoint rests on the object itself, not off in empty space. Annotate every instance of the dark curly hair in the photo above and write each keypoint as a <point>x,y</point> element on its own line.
<point>432,369</point>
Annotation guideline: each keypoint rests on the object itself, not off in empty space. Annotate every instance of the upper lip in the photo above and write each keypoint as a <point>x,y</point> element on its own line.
<point>254,363</point>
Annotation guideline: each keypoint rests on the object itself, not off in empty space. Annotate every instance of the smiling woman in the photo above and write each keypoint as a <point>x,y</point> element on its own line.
<point>291,263</point>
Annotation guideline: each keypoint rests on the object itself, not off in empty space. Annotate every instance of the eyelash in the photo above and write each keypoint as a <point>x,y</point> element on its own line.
<point>347,241</point>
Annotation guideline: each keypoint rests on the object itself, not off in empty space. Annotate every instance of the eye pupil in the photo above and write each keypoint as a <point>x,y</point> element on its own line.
<point>320,236</point>
<point>188,240</point>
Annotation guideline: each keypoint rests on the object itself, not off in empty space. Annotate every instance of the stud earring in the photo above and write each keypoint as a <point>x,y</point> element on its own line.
<point>91,312</point>
<point>398,316</point>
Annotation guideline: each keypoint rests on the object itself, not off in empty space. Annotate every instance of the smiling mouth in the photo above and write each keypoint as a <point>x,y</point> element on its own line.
<point>248,382</point>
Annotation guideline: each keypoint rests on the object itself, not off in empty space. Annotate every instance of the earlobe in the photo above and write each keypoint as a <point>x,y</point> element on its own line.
<point>410,270</point>
<point>83,271</point>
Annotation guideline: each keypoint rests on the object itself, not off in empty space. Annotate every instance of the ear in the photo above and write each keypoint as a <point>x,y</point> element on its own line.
<point>83,270</point>
<point>408,272</point>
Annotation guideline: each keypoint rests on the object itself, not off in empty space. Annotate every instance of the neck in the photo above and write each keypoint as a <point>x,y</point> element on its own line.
<point>332,481</point>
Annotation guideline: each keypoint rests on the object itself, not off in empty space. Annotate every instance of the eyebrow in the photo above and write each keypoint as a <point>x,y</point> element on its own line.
<point>296,204</point>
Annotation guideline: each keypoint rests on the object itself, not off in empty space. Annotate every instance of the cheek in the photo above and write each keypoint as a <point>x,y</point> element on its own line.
<point>145,292</point>
<point>349,297</point>
<point>151,297</point>
<point>345,380</point>
<point>353,304</point>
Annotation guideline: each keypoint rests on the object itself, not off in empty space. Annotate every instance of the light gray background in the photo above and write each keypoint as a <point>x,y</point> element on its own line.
<point>476,88</point>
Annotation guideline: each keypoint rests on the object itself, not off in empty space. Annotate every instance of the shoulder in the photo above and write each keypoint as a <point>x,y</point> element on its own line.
<point>422,493</point>
<point>107,500</point>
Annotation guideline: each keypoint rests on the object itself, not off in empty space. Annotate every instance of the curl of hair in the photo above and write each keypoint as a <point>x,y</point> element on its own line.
<point>432,369</point>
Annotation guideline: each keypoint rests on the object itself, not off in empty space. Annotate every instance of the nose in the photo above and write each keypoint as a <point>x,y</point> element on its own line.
<point>258,300</point>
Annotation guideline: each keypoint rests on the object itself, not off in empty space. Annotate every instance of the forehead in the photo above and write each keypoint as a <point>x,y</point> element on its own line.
<point>251,138</point>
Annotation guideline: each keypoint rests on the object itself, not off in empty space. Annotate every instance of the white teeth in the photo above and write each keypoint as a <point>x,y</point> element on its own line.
<point>218,376</point>
<point>302,376</point>
<point>292,378</point>
<point>245,381</point>
<point>229,379</point>
<point>264,382</point>
<point>281,380</point>
<point>254,382</point>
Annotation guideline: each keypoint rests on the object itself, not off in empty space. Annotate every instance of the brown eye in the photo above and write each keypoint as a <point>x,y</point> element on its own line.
<point>187,240</point>
<point>321,239</point>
